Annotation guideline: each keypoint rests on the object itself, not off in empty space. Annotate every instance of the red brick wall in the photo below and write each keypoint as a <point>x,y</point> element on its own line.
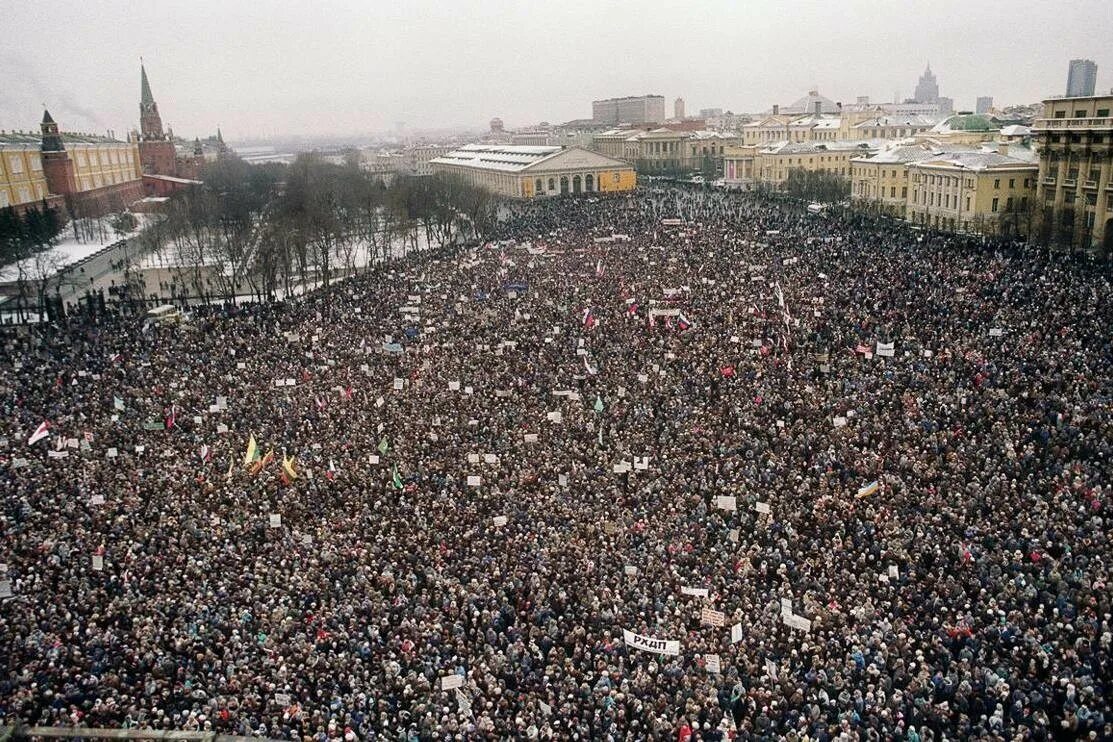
<point>157,158</point>
<point>58,171</point>
<point>107,199</point>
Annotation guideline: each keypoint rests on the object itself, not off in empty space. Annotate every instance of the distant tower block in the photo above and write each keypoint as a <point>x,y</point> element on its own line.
<point>678,108</point>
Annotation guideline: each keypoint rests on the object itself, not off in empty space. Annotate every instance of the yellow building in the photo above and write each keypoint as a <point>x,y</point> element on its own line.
<point>22,181</point>
<point>880,181</point>
<point>526,171</point>
<point>983,192</point>
<point>1075,191</point>
<point>666,151</point>
<point>747,167</point>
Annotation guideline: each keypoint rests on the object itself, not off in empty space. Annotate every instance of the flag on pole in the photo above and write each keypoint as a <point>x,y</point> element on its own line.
<point>383,446</point>
<point>206,453</point>
<point>599,268</point>
<point>171,416</point>
<point>231,466</point>
<point>288,467</point>
<point>118,404</point>
<point>331,473</point>
<point>598,403</point>
<point>40,432</point>
<point>682,322</point>
<point>396,478</point>
<point>320,402</point>
<point>589,318</point>
<point>591,370</point>
<point>252,453</point>
<point>346,393</point>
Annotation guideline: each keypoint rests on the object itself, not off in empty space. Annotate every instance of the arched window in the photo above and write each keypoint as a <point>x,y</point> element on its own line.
<point>552,184</point>
<point>537,187</point>
<point>576,184</point>
<point>589,183</point>
<point>564,184</point>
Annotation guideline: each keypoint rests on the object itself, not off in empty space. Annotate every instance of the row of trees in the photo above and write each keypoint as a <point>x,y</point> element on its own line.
<point>22,235</point>
<point>819,185</point>
<point>266,230</point>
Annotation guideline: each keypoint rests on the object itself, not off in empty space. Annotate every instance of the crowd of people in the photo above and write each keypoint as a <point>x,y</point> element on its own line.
<point>680,465</point>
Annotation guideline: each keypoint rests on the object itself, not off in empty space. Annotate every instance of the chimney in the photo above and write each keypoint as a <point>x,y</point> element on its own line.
<point>818,107</point>
<point>776,110</point>
<point>1003,149</point>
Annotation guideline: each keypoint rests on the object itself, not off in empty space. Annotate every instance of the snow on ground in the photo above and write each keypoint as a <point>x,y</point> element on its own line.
<point>66,251</point>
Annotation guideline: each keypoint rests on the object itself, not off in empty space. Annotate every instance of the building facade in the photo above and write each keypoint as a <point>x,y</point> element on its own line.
<point>678,109</point>
<point>640,109</point>
<point>22,180</point>
<point>526,172</point>
<point>746,167</point>
<point>667,151</point>
<point>984,104</point>
<point>1081,78</point>
<point>974,191</point>
<point>93,175</point>
<point>1075,193</point>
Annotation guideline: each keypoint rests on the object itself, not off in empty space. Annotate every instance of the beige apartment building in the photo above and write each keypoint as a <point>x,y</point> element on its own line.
<point>974,191</point>
<point>666,151</point>
<point>746,167</point>
<point>1075,192</point>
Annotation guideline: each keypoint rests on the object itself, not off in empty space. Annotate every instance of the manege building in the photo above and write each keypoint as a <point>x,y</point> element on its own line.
<point>525,171</point>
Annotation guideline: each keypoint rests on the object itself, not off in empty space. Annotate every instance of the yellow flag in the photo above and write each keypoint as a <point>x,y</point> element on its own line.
<point>252,453</point>
<point>288,467</point>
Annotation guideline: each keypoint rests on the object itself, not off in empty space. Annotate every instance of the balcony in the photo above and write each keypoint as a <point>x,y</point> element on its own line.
<point>1070,182</point>
<point>1090,184</point>
<point>1049,180</point>
<point>1082,124</point>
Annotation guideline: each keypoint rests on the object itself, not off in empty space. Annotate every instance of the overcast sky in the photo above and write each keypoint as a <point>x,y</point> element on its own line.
<point>259,68</point>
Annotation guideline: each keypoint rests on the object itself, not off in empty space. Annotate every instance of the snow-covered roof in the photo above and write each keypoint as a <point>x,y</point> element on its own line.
<point>509,158</point>
<point>811,148</point>
<point>807,104</point>
<point>975,161</point>
<point>1016,130</point>
<point>911,120</point>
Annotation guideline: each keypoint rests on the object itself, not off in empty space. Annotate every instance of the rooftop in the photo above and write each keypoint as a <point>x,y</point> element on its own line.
<point>508,158</point>
<point>34,138</point>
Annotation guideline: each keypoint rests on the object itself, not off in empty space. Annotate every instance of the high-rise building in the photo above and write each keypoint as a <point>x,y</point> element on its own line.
<point>984,104</point>
<point>927,89</point>
<point>1081,78</point>
<point>638,109</point>
<point>678,108</point>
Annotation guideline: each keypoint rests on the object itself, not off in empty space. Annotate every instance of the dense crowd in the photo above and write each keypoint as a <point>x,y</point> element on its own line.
<point>490,463</point>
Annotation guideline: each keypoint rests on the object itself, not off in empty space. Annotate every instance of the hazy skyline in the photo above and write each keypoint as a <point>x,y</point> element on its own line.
<point>334,68</point>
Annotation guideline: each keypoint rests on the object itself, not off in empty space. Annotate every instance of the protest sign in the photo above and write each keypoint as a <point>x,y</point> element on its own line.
<point>711,663</point>
<point>710,617</point>
<point>474,480</point>
<point>726,502</point>
<point>274,520</point>
<point>696,592</point>
<point>736,633</point>
<point>651,644</point>
<point>763,507</point>
<point>448,682</point>
<point>499,520</point>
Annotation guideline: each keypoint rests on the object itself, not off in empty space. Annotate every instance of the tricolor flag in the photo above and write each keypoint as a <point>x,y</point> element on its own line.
<point>396,478</point>
<point>331,473</point>
<point>868,490</point>
<point>206,453</point>
<point>599,268</point>
<point>40,432</point>
<point>682,322</point>
<point>171,416</point>
<point>589,318</point>
<point>252,454</point>
<point>320,402</point>
<point>263,462</point>
<point>346,393</point>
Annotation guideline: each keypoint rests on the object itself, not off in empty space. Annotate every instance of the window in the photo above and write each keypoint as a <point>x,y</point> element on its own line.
<point>1060,114</point>
<point>36,163</point>
<point>968,203</point>
<point>1012,182</point>
<point>994,208</point>
<point>3,199</point>
<point>996,185</point>
<point>1069,197</point>
<point>15,164</point>
<point>552,184</point>
<point>904,192</point>
<point>1080,114</point>
<point>1103,113</point>
<point>537,186</point>
<point>1009,203</point>
<point>1027,183</point>
<point>24,195</point>
<point>893,192</point>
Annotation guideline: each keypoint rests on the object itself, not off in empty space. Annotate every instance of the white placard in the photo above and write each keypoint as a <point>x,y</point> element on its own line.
<point>711,617</point>
<point>763,507</point>
<point>499,520</point>
<point>112,453</point>
<point>374,458</point>
<point>398,384</point>
<point>241,365</point>
<point>797,622</point>
<point>96,500</point>
<point>732,536</point>
<point>726,502</point>
<point>530,437</point>
<point>651,644</point>
<point>453,386</point>
<point>886,350</point>
<point>275,520</point>
<point>490,458</point>
<point>630,570</point>
<point>996,332</point>
<point>894,572</point>
<point>98,563</point>
<point>555,416</point>
<point>473,458</point>
<point>448,682</point>
<point>840,421</point>
<point>696,592</point>
<point>771,669</point>
<point>786,606</point>
<point>736,633</point>
<point>474,480</point>
<point>221,428</point>
<point>562,480</point>
<point>5,588</point>
<point>712,663</point>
